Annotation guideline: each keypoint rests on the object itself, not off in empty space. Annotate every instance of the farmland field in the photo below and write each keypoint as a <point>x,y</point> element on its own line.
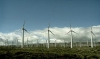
<point>52,53</point>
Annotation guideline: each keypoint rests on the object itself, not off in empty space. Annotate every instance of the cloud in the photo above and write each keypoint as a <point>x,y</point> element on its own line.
<point>83,34</point>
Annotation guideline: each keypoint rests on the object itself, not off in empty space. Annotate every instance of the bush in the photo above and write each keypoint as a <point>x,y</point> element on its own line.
<point>52,53</point>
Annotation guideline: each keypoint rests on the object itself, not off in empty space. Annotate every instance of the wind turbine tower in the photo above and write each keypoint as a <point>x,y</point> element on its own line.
<point>80,43</point>
<point>37,42</point>
<point>87,43</point>
<point>49,36</point>
<point>27,42</point>
<point>64,43</point>
<point>23,29</point>
<point>17,42</point>
<point>7,42</point>
<point>92,38</point>
<point>95,43</point>
<point>71,31</point>
<point>12,43</point>
<point>55,42</point>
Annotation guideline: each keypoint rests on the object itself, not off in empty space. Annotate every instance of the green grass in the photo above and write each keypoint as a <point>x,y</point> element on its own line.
<point>52,53</point>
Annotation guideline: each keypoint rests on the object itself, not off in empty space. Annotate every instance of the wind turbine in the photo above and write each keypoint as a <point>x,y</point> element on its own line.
<point>23,29</point>
<point>45,43</point>
<point>16,42</point>
<point>7,42</point>
<point>55,42</point>
<point>71,31</point>
<point>95,42</point>
<point>12,43</point>
<point>49,36</point>
<point>64,43</point>
<point>92,38</point>
<point>27,42</point>
<point>87,42</point>
<point>80,43</point>
<point>37,42</point>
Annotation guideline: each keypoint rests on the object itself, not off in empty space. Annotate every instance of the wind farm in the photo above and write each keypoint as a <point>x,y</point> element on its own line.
<point>52,43</point>
<point>79,42</point>
<point>49,29</point>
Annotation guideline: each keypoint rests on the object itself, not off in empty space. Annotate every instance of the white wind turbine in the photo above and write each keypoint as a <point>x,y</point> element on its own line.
<point>92,38</point>
<point>27,42</point>
<point>55,42</point>
<point>87,42</point>
<point>37,42</point>
<point>80,43</point>
<point>7,44</point>
<point>64,43</point>
<point>49,36</point>
<point>23,29</point>
<point>45,43</point>
<point>12,42</point>
<point>95,42</point>
<point>17,42</point>
<point>71,31</point>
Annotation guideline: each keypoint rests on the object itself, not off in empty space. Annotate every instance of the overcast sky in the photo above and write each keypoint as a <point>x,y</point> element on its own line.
<point>82,14</point>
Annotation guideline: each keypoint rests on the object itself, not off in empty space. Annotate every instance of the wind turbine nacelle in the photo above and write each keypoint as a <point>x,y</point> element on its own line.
<point>22,28</point>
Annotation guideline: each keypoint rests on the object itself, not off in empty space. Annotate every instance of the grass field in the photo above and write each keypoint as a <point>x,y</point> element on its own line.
<point>52,53</point>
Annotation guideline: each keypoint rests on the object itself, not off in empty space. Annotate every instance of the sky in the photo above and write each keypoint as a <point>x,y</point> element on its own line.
<point>81,14</point>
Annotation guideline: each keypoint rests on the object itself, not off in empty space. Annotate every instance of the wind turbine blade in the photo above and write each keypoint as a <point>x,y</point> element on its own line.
<point>74,31</point>
<point>26,31</point>
<point>49,26</point>
<point>68,32</point>
<point>92,33</point>
<point>27,39</point>
<point>52,33</point>
<point>70,26</point>
<point>91,28</point>
<point>24,24</point>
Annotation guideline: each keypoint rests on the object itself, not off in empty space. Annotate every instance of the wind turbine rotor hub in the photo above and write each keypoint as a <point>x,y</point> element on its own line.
<point>22,28</point>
